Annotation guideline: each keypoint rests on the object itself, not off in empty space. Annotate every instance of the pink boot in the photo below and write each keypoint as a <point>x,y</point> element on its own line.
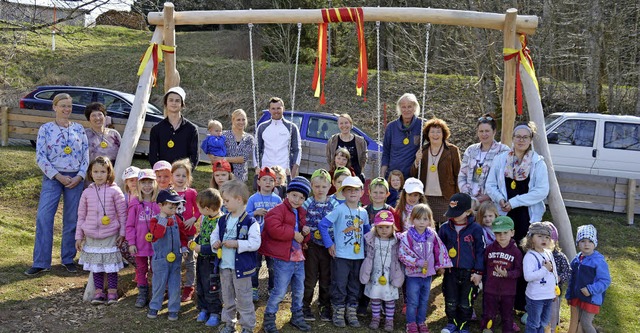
<point>412,328</point>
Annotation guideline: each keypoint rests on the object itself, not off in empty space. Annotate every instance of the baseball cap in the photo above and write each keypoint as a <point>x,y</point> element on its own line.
<point>169,196</point>
<point>222,165</point>
<point>162,165</point>
<point>379,181</point>
<point>266,171</point>
<point>458,204</point>
<point>351,181</point>
<point>502,224</point>
<point>176,90</point>
<point>130,172</point>
<point>321,173</point>
<point>413,185</point>
<point>146,174</point>
<point>383,217</point>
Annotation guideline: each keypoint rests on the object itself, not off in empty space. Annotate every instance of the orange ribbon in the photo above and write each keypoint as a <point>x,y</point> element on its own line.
<point>319,73</point>
<point>153,52</point>
<point>522,53</point>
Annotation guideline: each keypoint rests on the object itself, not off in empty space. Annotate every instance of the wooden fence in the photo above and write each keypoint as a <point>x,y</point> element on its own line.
<point>581,191</point>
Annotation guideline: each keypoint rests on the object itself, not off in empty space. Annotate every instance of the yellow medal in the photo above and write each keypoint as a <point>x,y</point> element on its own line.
<point>170,144</point>
<point>171,257</point>
<point>513,184</point>
<point>382,280</point>
<point>452,252</point>
<point>478,171</point>
<point>557,290</point>
<point>405,141</point>
<point>148,237</point>
<point>67,150</point>
<point>219,253</point>
<point>316,234</point>
<point>424,270</point>
<point>489,324</point>
<point>192,246</point>
<point>105,220</point>
<point>356,247</point>
<point>104,144</point>
<point>432,168</point>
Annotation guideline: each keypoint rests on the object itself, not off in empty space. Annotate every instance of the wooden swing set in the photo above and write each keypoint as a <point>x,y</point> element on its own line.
<point>518,70</point>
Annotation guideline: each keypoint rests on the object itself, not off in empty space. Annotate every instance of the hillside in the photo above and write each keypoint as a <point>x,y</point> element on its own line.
<point>216,74</point>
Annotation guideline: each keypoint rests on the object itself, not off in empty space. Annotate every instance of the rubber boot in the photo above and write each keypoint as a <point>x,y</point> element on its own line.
<point>297,321</point>
<point>352,316</point>
<point>375,323</point>
<point>338,316</point>
<point>143,293</point>
<point>269,323</point>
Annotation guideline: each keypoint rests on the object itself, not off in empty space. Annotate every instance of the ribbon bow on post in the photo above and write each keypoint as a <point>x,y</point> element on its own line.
<point>519,55</point>
<point>319,72</point>
<point>153,51</point>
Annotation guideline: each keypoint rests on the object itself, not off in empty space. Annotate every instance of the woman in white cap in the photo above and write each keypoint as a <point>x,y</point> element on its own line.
<point>174,137</point>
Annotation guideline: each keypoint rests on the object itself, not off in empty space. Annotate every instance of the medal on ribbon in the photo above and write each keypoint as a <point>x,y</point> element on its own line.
<point>170,144</point>
<point>104,144</point>
<point>513,184</point>
<point>105,220</point>
<point>148,237</point>
<point>382,280</point>
<point>171,257</point>
<point>67,150</point>
<point>453,252</point>
<point>433,168</point>
<point>405,141</point>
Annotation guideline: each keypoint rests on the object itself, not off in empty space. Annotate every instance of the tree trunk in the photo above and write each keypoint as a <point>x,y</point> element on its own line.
<point>638,92</point>
<point>594,45</point>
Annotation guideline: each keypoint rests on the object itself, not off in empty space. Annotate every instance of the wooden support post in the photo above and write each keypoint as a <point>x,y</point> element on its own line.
<point>509,89</point>
<point>171,75</point>
<point>135,123</point>
<point>554,199</point>
<point>631,201</point>
<point>4,123</point>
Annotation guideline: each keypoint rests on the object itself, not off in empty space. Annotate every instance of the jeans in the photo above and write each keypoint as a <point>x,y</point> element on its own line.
<point>166,275</point>
<point>538,315</point>
<point>47,207</point>
<point>286,272</point>
<point>345,284</point>
<point>418,289</point>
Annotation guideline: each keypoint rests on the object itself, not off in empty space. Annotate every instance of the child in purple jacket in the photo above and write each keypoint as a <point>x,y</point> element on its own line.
<point>423,254</point>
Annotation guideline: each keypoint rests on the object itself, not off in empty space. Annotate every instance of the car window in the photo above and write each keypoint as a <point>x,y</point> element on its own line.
<point>621,136</point>
<point>576,132</point>
<point>47,94</point>
<point>112,103</point>
<point>297,119</point>
<point>80,97</point>
<point>321,128</point>
<point>550,119</point>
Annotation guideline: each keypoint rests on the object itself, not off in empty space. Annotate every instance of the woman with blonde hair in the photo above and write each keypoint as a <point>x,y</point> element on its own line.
<point>402,137</point>
<point>239,144</point>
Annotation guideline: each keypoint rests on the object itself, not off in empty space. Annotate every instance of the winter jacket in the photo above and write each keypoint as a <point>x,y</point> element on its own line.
<point>395,153</point>
<point>279,230</point>
<point>509,258</point>
<point>538,186</point>
<point>468,245</point>
<point>248,237</point>
<point>90,212</point>
<point>159,232</point>
<point>412,256</point>
<point>138,225</point>
<point>295,144</point>
<point>541,283</point>
<point>396,276</point>
<point>470,161</point>
<point>448,169</point>
<point>361,148</point>
<point>189,209</point>
<point>593,273</point>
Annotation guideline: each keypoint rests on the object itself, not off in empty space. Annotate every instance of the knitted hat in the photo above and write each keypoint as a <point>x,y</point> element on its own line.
<point>589,232</point>
<point>175,90</point>
<point>413,185</point>
<point>321,173</point>
<point>539,228</point>
<point>502,224</point>
<point>162,165</point>
<point>146,174</point>
<point>383,217</point>
<point>379,181</point>
<point>267,171</point>
<point>458,204</point>
<point>554,230</point>
<point>300,184</point>
<point>130,172</point>
<point>222,165</point>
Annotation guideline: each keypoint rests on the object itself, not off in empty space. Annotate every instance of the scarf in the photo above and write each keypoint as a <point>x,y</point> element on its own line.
<point>420,238</point>
<point>518,169</point>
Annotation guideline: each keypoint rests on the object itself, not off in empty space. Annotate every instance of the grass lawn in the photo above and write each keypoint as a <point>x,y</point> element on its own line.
<point>53,301</point>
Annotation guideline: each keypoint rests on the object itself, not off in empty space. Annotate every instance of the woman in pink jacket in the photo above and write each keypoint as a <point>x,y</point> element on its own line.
<point>102,215</point>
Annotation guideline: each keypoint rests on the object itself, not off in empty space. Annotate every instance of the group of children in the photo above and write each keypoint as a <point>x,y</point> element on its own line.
<point>358,256</point>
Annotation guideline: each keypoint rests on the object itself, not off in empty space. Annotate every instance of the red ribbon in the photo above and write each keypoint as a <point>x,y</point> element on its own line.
<point>518,55</point>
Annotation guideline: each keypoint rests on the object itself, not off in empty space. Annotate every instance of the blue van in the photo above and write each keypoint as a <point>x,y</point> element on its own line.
<point>315,129</point>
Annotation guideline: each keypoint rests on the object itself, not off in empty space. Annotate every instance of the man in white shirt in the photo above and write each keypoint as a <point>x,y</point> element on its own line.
<point>279,141</point>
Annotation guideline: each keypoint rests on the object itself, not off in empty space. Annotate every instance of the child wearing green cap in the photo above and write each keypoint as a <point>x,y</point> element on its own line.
<point>503,267</point>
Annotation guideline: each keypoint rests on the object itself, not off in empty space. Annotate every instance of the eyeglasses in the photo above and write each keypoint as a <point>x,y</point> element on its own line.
<point>521,137</point>
<point>485,119</point>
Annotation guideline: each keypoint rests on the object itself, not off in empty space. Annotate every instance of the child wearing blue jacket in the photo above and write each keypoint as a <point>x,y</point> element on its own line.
<point>590,279</point>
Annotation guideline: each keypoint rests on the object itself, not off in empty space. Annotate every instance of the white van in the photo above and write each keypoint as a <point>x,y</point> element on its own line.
<point>596,144</point>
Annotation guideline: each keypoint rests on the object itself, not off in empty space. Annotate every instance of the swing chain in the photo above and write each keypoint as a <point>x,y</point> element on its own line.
<point>424,89</point>
<point>379,159</point>
<point>295,72</point>
<point>253,91</point>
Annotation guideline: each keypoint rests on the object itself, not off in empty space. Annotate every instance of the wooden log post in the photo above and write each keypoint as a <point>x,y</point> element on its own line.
<point>4,125</point>
<point>172,77</point>
<point>135,123</point>
<point>509,89</point>
<point>631,200</point>
<point>554,199</point>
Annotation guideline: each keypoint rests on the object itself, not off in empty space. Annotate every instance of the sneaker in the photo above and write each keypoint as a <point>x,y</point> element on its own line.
<point>516,328</point>
<point>464,330</point>
<point>404,310</point>
<point>152,314</point>
<point>71,268</point>
<point>375,323</point>
<point>308,315</point>
<point>214,320</point>
<point>173,316</point>
<point>473,315</point>
<point>187,293</point>
<point>35,271</point>
<point>256,295</point>
<point>325,313</point>
<point>450,328</point>
<point>487,330</point>
<point>388,325</point>
<point>523,319</point>
<point>202,316</point>
<point>227,329</point>
<point>423,328</point>
<point>98,298</point>
<point>112,298</point>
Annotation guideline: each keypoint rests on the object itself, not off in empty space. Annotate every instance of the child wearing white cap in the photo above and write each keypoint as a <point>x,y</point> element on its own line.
<point>412,194</point>
<point>590,278</point>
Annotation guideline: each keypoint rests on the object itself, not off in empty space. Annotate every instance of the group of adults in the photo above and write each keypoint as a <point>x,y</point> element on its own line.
<point>515,178</point>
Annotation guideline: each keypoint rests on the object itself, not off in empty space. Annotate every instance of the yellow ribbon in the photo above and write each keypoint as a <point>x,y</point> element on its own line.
<point>152,50</point>
<point>523,57</point>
